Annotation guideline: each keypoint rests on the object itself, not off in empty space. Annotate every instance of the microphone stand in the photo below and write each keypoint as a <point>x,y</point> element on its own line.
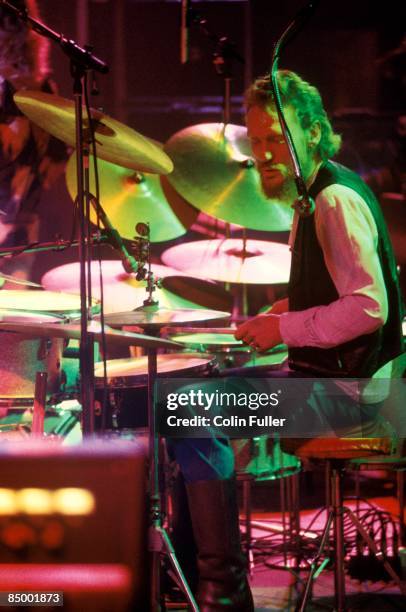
<point>81,61</point>
<point>225,53</point>
<point>305,204</point>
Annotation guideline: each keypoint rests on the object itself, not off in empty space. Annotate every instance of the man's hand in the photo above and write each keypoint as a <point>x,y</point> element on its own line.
<point>279,307</point>
<point>261,332</point>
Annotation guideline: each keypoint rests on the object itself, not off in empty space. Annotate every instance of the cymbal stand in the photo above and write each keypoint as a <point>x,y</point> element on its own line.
<point>225,53</point>
<point>159,543</point>
<point>81,61</point>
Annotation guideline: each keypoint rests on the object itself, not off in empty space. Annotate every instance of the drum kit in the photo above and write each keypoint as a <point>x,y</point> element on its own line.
<point>212,173</point>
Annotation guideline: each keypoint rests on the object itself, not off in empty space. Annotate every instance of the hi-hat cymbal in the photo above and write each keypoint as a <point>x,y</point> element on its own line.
<point>73,331</point>
<point>214,171</point>
<point>130,197</point>
<point>258,262</point>
<point>123,291</point>
<point>116,142</point>
<point>163,317</point>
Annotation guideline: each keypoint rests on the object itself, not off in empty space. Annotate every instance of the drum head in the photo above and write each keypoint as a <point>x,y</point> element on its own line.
<point>132,372</point>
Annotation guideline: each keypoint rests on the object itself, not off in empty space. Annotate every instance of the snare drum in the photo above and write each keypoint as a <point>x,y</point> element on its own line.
<point>127,383</point>
<point>229,352</point>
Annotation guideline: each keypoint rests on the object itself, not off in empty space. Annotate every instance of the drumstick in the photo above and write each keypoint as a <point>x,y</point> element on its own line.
<point>200,330</point>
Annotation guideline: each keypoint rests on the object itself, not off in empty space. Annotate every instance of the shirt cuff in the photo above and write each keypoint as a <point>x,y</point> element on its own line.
<point>296,327</point>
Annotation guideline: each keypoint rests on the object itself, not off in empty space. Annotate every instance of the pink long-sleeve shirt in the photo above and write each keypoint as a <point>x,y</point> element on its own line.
<point>348,236</point>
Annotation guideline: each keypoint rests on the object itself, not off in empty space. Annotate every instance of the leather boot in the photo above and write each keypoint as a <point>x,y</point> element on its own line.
<point>182,532</point>
<point>223,585</point>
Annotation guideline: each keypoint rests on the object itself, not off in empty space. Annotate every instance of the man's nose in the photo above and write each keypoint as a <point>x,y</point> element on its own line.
<point>263,154</point>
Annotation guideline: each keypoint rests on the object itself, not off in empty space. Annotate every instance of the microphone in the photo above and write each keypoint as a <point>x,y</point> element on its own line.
<point>128,261</point>
<point>184,31</point>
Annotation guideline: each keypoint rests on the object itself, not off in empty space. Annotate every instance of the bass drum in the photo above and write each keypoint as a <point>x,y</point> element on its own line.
<point>124,391</point>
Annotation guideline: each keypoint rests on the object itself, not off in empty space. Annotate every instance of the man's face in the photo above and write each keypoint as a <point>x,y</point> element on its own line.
<point>271,152</point>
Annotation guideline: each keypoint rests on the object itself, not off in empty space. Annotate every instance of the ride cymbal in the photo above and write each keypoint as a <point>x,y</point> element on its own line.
<point>73,331</point>
<point>232,260</point>
<point>116,142</point>
<point>162,317</point>
<point>214,171</point>
<point>123,292</point>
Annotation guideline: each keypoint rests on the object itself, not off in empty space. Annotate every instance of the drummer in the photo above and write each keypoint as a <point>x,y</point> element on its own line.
<point>30,160</point>
<point>342,315</point>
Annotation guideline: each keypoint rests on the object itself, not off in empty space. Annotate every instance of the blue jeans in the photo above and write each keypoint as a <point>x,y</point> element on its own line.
<point>212,458</point>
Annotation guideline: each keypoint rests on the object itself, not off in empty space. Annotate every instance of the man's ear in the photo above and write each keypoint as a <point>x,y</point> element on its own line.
<point>315,133</point>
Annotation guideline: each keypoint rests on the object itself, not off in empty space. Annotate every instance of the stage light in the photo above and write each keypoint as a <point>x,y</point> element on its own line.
<point>74,501</point>
<point>34,501</point>
<point>8,502</point>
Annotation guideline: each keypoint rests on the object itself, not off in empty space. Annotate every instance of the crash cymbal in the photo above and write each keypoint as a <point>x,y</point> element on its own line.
<point>116,142</point>
<point>226,260</point>
<point>163,317</point>
<point>123,292</point>
<point>130,197</point>
<point>214,171</point>
<point>73,331</point>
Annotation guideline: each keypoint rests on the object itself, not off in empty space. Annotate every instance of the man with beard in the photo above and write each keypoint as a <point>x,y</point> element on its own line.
<point>342,316</point>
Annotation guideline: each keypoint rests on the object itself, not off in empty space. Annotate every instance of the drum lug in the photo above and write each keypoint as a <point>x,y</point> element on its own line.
<point>44,348</point>
<point>214,368</point>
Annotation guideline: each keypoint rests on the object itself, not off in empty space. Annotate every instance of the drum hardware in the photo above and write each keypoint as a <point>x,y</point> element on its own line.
<point>39,404</point>
<point>152,319</point>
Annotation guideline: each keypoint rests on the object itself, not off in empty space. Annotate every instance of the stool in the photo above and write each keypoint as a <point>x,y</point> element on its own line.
<point>337,453</point>
<point>393,463</point>
<point>255,462</point>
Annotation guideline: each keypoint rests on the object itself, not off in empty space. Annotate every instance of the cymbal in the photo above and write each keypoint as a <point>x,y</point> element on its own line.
<point>73,331</point>
<point>214,171</point>
<point>163,317</point>
<point>123,291</point>
<point>130,197</point>
<point>262,262</point>
<point>116,142</point>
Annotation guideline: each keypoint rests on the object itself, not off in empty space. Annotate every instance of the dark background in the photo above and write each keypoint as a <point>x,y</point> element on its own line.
<point>148,89</point>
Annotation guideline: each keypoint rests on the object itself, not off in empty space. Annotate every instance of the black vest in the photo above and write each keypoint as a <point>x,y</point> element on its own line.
<point>310,285</point>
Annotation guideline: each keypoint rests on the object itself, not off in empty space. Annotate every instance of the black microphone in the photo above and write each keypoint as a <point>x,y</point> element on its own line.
<point>128,261</point>
<point>184,31</point>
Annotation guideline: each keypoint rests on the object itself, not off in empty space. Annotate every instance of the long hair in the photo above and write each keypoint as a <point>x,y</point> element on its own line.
<point>23,51</point>
<point>306,101</point>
